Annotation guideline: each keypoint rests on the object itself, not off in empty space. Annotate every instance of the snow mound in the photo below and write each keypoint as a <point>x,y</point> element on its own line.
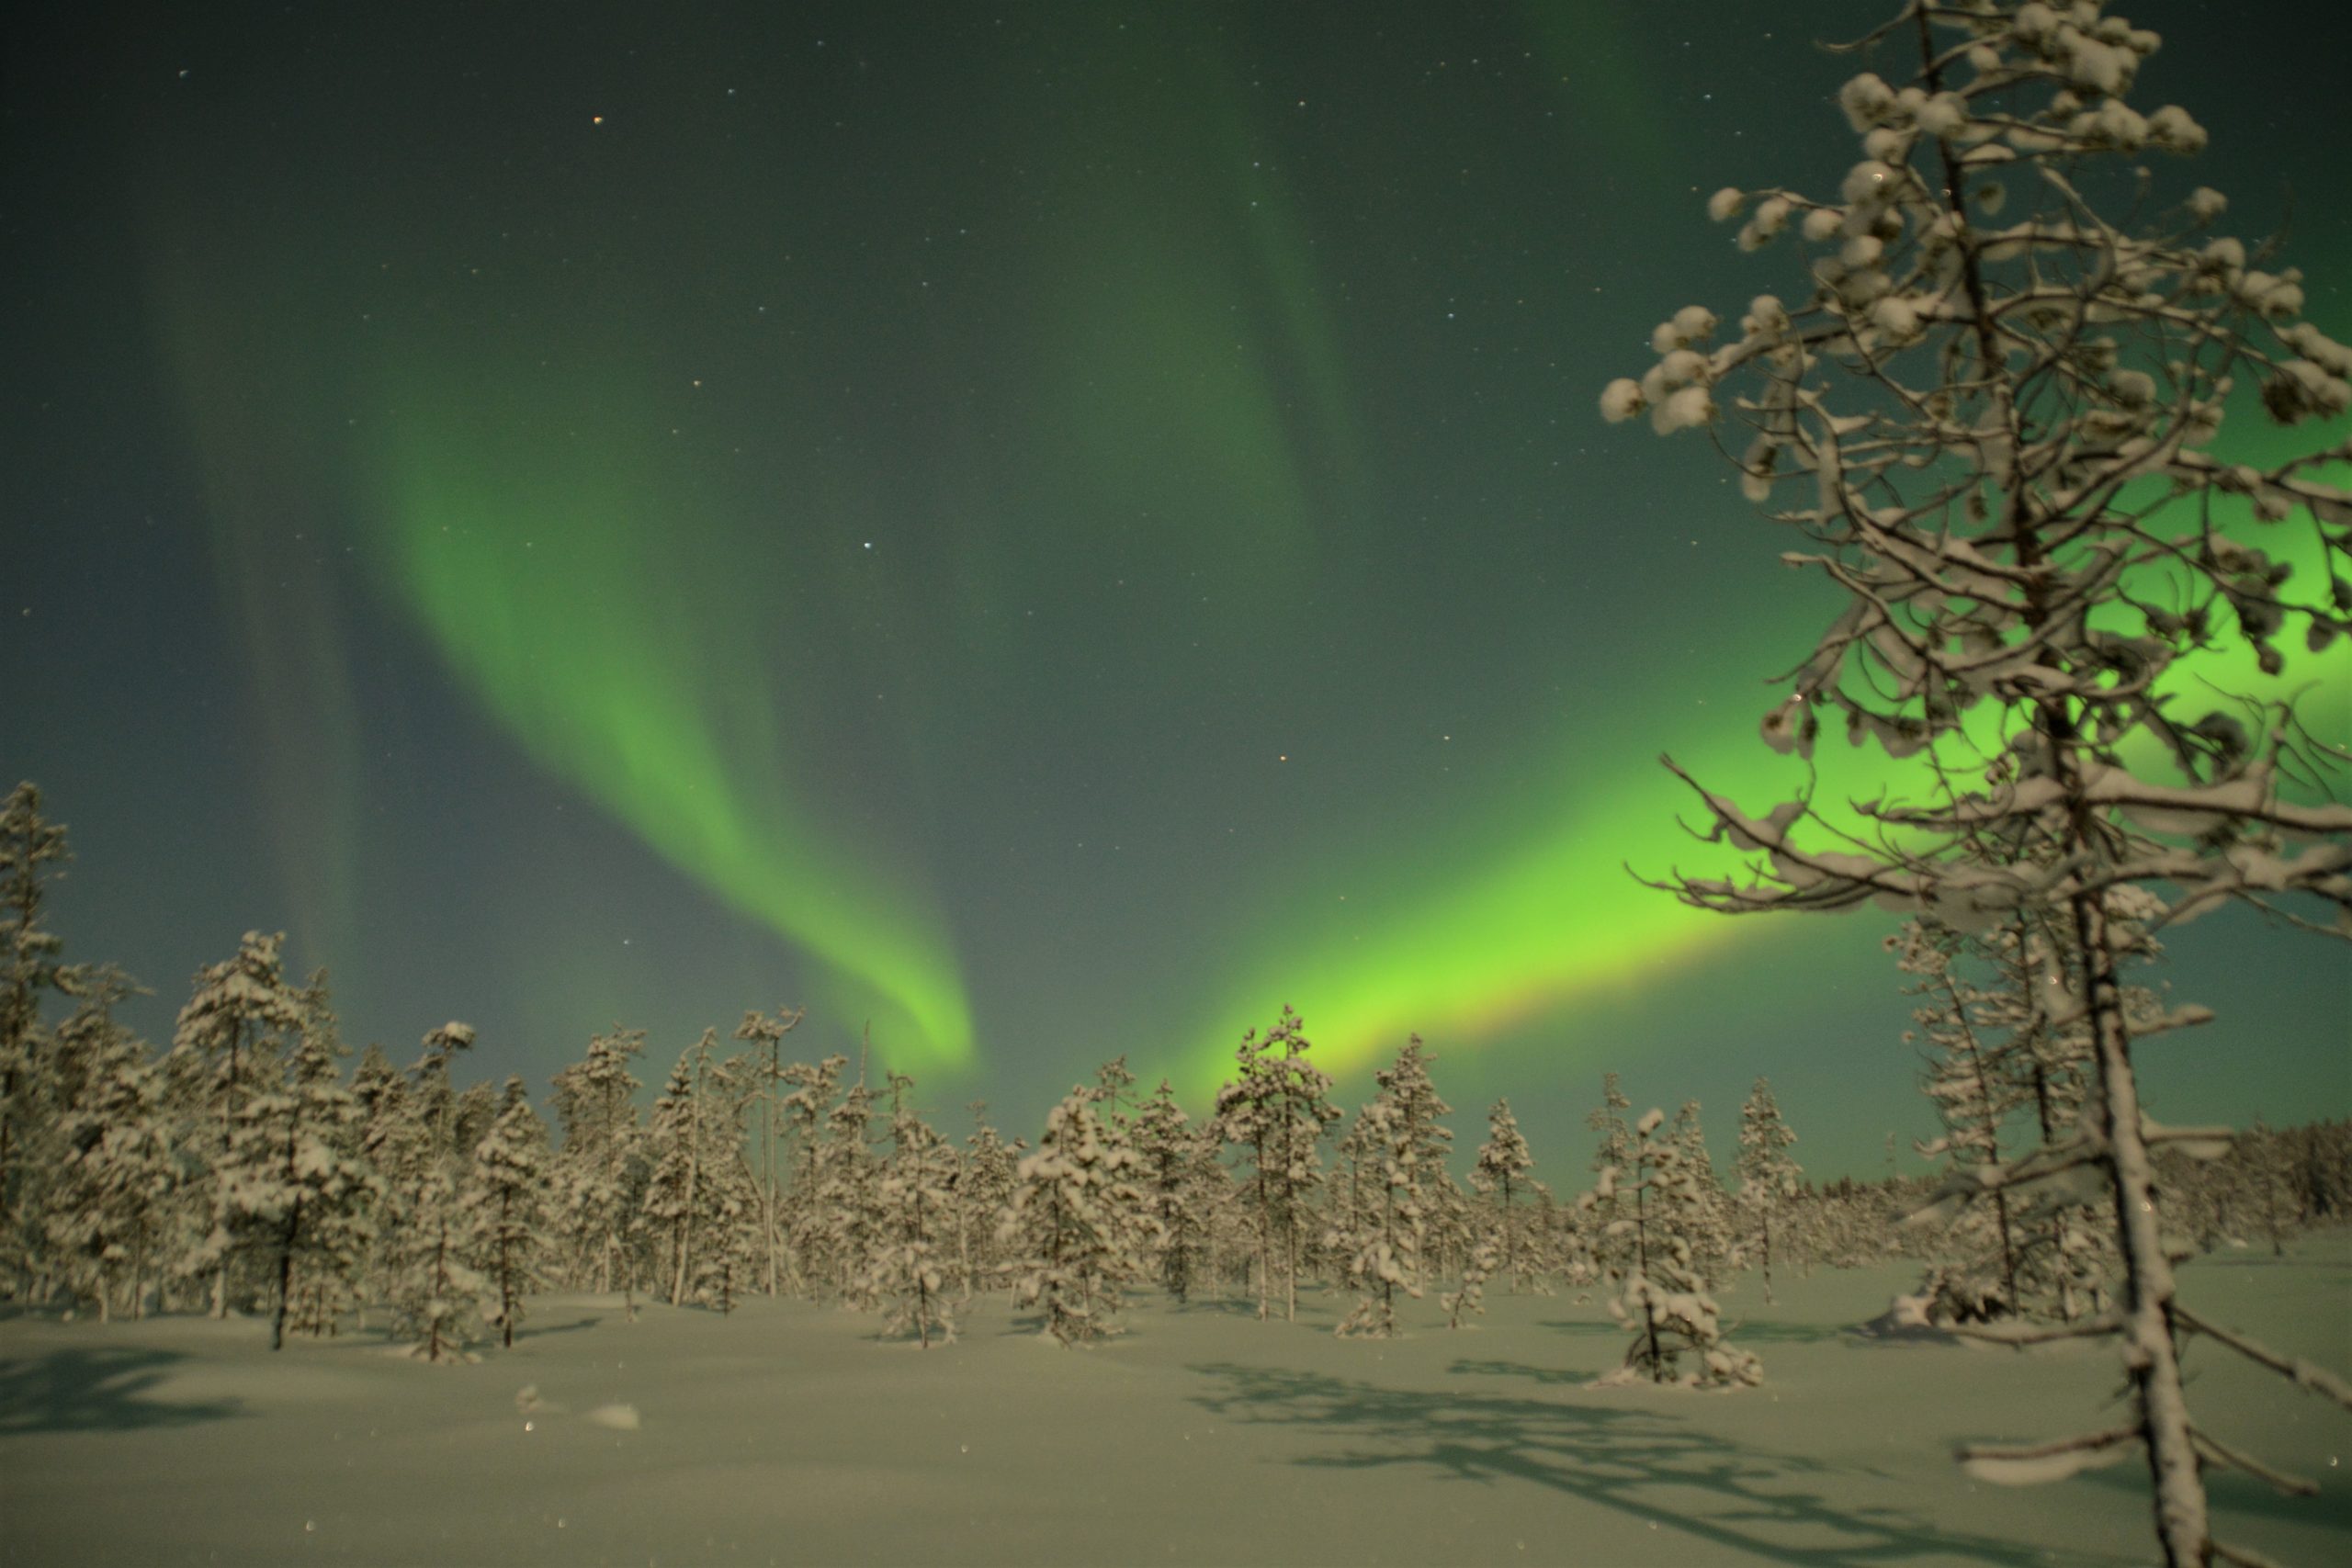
<point>1904,1321</point>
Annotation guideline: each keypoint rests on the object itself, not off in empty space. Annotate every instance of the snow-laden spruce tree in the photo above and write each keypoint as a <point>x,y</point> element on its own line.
<point>803,1111</point>
<point>983,1194</point>
<point>1426,1140</point>
<point>115,1164</point>
<point>237,1020</point>
<point>1402,1194</point>
<point>297,1185</point>
<point>1662,1294</point>
<point>1711,1230</point>
<point>766,1035</point>
<point>1277,1110</point>
<point>1992,414</point>
<point>732,1264</point>
<point>436,1295</point>
<point>1079,1230</point>
<point>2068,1248</point>
<point>675,1142</point>
<point>1768,1176</point>
<point>599,1166</point>
<point>509,1187</point>
<point>432,1092</point>
<point>1501,1175</point>
<point>30,846</point>
<point>1975,1091</point>
<point>1114,1080</point>
<point>1377,1234</point>
<point>1174,1175</point>
<point>1613,1154</point>
<point>2263,1189</point>
<point>915,1227</point>
<point>1468,1297</point>
<point>848,1197</point>
<point>392,1144</point>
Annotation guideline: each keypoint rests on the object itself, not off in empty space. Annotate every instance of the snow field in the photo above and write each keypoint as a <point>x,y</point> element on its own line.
<point>788,1434</point>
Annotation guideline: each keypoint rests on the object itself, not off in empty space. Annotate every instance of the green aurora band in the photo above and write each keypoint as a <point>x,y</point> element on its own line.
<point>1463,941</point>
<point>577,579</point>
<point>562,589</point>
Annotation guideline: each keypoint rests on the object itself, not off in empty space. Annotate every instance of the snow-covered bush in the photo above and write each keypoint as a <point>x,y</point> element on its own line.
<point>1077,1228</point>
<point>1662,1295</point>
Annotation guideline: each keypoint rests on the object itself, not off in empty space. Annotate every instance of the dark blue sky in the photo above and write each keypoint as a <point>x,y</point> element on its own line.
<point>1058,528</point>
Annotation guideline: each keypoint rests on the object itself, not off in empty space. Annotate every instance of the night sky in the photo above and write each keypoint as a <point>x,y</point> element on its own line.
<point>1053,528</point>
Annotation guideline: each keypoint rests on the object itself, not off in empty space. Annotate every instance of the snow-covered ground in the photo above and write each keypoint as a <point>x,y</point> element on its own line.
<point>788,1434</point>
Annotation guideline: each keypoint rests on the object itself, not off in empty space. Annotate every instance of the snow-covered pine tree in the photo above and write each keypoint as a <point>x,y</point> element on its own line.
<point>1468,1298</point>
<point>298,1188</point>
<point>1402,1144</point>
<point>1999,435</point>
<point>1406,1084</point>
<point>341,1222</point>
<point>1113,1080</point>
<point>766,1035</point>
<point>983,1195</point>
<point>1077,1225</point>
<point>31,845</point>
<point>1501,1175</point>
<point>470,1115</point>
<point>600,1165</point>
<point>1612,1154</point>
<point>1378,1239</point>
<point>848,1196</point>
<point>509,1186</point>
<point>432,1093</point>
<point>1711,1227</point>
<point>1975,1088</point>
<point>184,1257</point>
<point>804,1112</point>
<point>915,1221</point>
<point>1277,1110</point>
<point>1768,1176</point>
<point>731,1260</point>
<point>2063,1257</point>
<point>105,1211</point>
<point>237,1018</point>
<point>391,1144</point>
<point>1170,1150</point>
<point>1662,1296</point>
<point>436,1295</point>
<point>673,1148</point>
<point>2265,1194</point>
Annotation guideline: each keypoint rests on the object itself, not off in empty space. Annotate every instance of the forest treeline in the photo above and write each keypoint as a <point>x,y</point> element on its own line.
<point>253,1166</point>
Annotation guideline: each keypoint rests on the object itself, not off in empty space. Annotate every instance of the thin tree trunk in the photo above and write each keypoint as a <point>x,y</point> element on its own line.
<point>286,1276</point>
<point>2152,1357</point>
<point>505,1266</point>
<point>220,1174</point>
<point>1642,1266</point>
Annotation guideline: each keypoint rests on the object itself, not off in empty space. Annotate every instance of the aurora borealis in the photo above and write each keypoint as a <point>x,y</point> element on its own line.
<point>1053,529</point>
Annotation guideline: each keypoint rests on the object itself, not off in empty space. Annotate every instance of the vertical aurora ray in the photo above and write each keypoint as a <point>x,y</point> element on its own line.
<point>600,614</point>
<point>286,604</point>
<point>1190,370</point>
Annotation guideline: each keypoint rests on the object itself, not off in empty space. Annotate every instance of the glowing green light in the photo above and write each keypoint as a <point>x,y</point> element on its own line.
<point>567,592</point>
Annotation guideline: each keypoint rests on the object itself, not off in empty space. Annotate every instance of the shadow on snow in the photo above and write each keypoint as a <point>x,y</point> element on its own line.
<point>103,1390</point>
<point>1605,1455</point>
